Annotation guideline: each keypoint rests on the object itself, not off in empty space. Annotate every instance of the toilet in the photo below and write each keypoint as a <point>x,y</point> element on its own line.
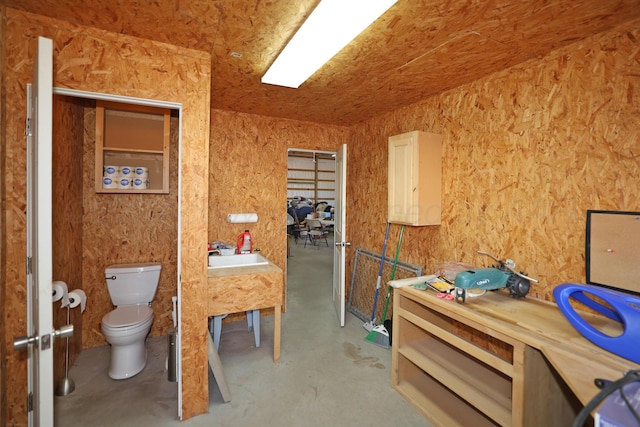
<point>132,287</point>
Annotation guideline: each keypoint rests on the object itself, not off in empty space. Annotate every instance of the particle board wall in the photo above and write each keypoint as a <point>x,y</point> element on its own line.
<point>248,173</point>
<point>3,217</point>
<point>97,61</point>
<point>123,228</point>
<point>525,153</point>
<point>67,220</point>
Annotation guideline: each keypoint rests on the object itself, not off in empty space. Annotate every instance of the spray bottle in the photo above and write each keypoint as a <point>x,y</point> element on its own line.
<point>245,244</point>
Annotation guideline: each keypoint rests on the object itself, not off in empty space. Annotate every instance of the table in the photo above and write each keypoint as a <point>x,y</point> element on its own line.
<point>495,360</point>
<point>239,289</point>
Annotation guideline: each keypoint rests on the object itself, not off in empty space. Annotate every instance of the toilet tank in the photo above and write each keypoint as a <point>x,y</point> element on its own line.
<point>131,284</point>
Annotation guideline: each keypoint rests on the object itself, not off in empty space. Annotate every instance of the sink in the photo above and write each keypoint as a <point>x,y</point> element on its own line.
<point>238,260</point>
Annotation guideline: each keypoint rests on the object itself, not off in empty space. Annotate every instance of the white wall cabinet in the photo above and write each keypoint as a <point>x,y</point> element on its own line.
<point>415,178</point>
<point>136,137</point>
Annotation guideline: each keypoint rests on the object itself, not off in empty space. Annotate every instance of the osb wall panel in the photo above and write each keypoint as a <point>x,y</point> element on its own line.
<point>125,228</point>
<point>66,187</point>
<point>525,153</point>
<point>3,274</point>
<point>233,293</point>
<point>97,61</point>
<point>248,173</point>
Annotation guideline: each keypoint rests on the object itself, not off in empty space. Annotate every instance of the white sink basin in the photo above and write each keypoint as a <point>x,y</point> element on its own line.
<point>243,260</point>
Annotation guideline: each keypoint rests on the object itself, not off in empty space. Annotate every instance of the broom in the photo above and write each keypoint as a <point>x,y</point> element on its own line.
<point>369,325</point>
<point>379,335</point>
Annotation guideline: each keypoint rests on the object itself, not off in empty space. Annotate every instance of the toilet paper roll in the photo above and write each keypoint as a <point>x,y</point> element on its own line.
<point>60,292</point>
<point>126,171</point>
<point>108,182</point>
<point>77,297</point>
<point>124,183</point>
<point>141,171</point>
<point>242,218</point>
<point>140,183</point>
<point>111,171</point>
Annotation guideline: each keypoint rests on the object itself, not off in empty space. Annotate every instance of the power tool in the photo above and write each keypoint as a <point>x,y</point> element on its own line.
<point>492,278</point>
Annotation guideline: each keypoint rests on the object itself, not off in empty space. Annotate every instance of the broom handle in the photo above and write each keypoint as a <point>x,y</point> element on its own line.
<point>393,274</point>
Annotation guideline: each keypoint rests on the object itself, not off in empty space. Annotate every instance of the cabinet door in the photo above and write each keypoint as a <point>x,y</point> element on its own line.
<point>414,182</point>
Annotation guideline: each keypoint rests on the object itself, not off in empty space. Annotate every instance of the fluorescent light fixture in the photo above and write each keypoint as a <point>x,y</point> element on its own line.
<point>329,28</point>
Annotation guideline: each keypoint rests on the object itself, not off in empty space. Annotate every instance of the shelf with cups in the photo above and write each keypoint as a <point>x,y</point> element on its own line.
<point>132,149</point>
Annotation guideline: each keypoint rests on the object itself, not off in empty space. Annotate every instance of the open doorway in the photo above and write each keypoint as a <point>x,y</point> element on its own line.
<point>335,281</point>
<point>94,228</point>
<point>311,195</point>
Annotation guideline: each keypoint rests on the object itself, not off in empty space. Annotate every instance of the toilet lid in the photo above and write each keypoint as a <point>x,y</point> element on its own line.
<point>127,315</point>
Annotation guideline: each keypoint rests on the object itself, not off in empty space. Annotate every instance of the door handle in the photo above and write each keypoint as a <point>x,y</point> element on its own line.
<point>65,331</point>
<point>343,244</point>
<point>20,343</point>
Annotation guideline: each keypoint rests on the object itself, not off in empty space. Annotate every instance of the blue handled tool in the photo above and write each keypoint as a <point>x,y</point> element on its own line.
<point>622,308</point>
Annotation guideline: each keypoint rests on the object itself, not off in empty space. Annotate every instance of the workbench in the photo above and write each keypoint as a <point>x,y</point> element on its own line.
<point>495,360</point>
<point>238,289</point>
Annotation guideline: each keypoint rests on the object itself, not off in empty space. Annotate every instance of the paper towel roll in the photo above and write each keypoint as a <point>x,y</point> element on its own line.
<point>77,297</point>
<point>242,218</point>
<point>60,292</point>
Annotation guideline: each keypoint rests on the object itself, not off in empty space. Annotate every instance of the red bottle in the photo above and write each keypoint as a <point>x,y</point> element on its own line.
<point>245,244</point>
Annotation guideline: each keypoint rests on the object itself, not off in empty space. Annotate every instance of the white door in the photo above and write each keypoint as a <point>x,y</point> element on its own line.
<point>340,233</point>
<point>39,342</point>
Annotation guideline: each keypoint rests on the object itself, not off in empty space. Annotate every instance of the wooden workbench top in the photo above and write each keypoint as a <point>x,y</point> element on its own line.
<point>541,324</point>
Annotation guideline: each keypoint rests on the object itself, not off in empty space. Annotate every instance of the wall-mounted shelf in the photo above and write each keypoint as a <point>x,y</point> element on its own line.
<point>133,136</point>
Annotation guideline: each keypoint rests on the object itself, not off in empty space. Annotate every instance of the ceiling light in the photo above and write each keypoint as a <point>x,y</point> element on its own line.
<point>329,28</point>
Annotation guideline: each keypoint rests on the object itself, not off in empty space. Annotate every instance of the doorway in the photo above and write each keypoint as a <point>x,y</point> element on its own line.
<point>92,230</point>
<point>311,177</point>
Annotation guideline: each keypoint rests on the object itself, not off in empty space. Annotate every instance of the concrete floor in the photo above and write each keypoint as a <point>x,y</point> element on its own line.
<point>328,376</point>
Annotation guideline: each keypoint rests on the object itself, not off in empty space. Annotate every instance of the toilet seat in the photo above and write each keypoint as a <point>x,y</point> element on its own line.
<point>127,315</point>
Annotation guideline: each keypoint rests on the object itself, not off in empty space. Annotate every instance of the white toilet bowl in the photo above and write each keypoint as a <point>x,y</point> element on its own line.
<point>126,329</point>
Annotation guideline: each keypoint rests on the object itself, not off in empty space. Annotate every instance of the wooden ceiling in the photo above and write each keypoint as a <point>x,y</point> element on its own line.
<point>419,48</point>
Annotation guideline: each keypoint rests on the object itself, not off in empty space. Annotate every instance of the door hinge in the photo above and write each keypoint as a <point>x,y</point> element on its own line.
<point>30,402</point>
<point>28,130</point>
<point>28,265</point>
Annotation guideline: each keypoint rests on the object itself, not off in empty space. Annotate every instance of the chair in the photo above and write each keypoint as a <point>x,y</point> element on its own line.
<point>299,230</point>
<point>317,231</point>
